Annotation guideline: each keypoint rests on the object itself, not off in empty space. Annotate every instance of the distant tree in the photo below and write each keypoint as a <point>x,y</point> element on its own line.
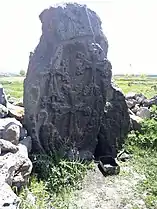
<point>143,76</point>
<point>22,73</point>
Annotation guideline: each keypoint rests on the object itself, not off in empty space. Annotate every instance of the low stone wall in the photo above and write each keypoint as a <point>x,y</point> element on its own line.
<point>15,144</point>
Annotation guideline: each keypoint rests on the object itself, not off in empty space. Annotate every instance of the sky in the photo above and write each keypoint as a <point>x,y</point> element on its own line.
<point>130,27</point>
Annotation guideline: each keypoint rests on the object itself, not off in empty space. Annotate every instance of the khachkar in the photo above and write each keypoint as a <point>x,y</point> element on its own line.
<point>67,83</point>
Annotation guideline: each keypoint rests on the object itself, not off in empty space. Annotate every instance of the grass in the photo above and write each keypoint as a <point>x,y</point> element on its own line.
<point>144,162</point>
<point>54,182</point>
<point>143,146</point>
<point>137,84</point>
<point>13,86</point>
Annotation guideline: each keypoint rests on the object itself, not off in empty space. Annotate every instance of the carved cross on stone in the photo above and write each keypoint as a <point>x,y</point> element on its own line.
<point>93,64</point>
<point>72,110</point>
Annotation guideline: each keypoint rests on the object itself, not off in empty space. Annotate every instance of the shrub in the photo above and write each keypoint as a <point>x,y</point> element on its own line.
<point>154,112</point>
<point>147,138</point>
<point>55,178</point>
<point>22,73</point>
<point>61,175</point>
<point>38,192</point>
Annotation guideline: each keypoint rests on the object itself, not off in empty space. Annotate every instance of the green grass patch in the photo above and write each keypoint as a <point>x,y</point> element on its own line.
<point>147,86</point>
<point>13,86</point>
<point>143,146</point>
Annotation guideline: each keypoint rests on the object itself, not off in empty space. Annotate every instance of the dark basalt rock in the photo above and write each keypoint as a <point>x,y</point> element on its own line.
<point>108,166</point>
<point>115,124</point>
<point>67,85</point>
<point>3,99</point>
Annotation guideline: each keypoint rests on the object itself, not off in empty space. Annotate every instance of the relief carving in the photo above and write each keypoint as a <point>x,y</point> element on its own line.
<point>67,84</point>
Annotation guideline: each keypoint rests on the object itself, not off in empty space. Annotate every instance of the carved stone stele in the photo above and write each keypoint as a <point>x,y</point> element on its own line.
<point>67,82</point>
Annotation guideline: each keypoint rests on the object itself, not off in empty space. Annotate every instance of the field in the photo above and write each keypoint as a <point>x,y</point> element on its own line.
<point>13,86</point>
<point>144,85</point>
<point>143,163</point>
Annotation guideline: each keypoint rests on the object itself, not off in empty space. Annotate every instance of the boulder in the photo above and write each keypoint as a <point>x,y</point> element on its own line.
<point>3,111</point>
<point>6,146</point>
<point>131,103</point>
<point>15,169</point>
<point>19,102</point>
<point>11,100</point>
<point>66,85</point>
<point>27,142</point>
<point>15,111</point>
<point>10,129</point>
<point>140,98</point>
<point>135,122</point>
<point>135,109</point>
<point>3,99</point>
<point>12,133</point>
<point>115,124</point>
<point>150,102</point>
<point>8,199</point>
<point>130,95</point>
<point>143,112</point>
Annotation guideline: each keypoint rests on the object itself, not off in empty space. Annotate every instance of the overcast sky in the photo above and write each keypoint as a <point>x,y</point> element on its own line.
<point>130,27</point>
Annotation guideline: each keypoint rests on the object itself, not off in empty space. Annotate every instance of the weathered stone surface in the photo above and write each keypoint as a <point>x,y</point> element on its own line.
<point>15,166</point>
<point>130,95</point>
<point>23,133</point>
<point>12,133</point>
<point>27,142</point>
<point>3,99</point>
<point>5,121</point>
<point>15,111</point>
<point>6,146</point>
<point>135,109</point>
<point>135,122</point>
<point>8,199</point>
<point>10,129</point>
<point>3,111</point>
<point>124,157</point>
<point>15,169</point>
<point>140,98</point>
<point>150,102</point>
<point>108,166</point>
<point>66,85</point>
<point>115,124</point>
<point>131,103</point>
<point>11,100</point>
<point>19,102</point>
<point>143,112</point>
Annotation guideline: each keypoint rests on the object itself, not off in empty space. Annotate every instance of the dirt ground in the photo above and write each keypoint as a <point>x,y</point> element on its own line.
<point>112,192</point>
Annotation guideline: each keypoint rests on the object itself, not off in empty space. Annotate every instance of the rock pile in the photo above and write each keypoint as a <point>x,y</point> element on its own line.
<point>69,101</point>
<point>15,166</point>
<point>139,108</point>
